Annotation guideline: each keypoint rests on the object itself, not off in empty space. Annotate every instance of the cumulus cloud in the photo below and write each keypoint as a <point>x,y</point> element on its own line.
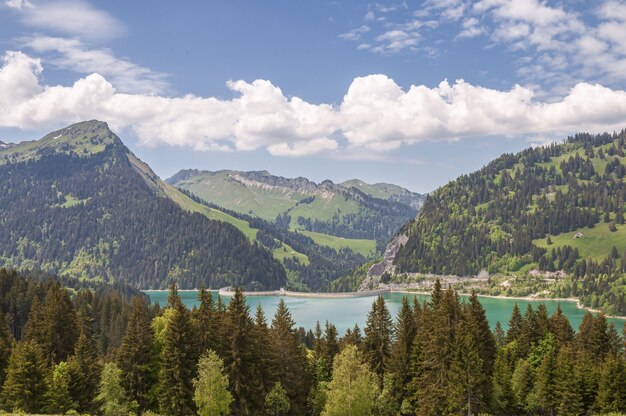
<point>376,114</point>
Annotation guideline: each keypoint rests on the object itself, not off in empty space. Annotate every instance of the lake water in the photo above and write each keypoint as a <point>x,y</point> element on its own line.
<point>345,312</point>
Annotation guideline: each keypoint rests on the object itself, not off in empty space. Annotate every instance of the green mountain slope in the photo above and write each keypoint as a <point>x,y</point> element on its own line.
<point>353,210</point>
<point>79,203</point>
<point>547,209</point>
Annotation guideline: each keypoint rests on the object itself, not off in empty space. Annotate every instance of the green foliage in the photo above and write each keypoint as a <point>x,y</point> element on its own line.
<point>111,393</point>
<point>378,336</point>
<point>59,399</point>
<point>277,402</point>
<point>85,371</point>
<point>178,360</point>
<point>291,358</point>
<point>211,394</point>
<point>136,357</point>
<point>6,345</point>
<point>24,389</point>
<point>353,388</point>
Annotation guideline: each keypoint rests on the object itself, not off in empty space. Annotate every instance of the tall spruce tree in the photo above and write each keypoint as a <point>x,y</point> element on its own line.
<point>567,386</point>
<point>291,371</point>
<point>378,337</point>
<point>611,396</point>
<point>6,345</point>
<point>330,345</point>
<point>58,397</point>
<point>208,326</point>
<point>60,323</point>
<point>476,316</point>
<point>24,389</point>
<point>265,360</point>
<point>84,369</point>
<point>560,327</point>
<point>135,356</point>
<point>240,361</point>
<point>400,358</point>
<point>516,323</point>
<point>178,360</point>
<point>503,397</point>
<point>467,379</point>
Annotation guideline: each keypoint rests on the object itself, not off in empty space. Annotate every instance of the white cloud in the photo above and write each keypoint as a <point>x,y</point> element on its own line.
<point>73,55</point>
<point>18,4</point>
<point>355,34</point>
<point>68,17</point>
<point>394,41</point>
<point>376,114</point>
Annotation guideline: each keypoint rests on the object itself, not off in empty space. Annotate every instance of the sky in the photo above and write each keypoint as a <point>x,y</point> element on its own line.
<point>414,93</point>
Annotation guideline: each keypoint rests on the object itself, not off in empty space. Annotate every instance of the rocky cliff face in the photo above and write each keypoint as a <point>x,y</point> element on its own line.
<point>386,265</point>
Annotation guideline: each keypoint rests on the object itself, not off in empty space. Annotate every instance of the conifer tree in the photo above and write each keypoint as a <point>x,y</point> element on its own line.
<point>35,329</point>
<point>59,399</point>
<point>516,323</point>
<point>206,319</point>
<point>612,387</point>
<point>486,343</point>
<point>240,361</point>
<point>6,345</point>
<point>522,382</point>
<point>178,360</point>
<point>544,396</point>
<point>352,337</point>
<point>433,354</point>
<point>560,327</point>
<point>60,323</point>
<point>25,385</point>
<point>84,370</point>
<point>466,387</point>
<point>292,369</point>
<point>499,335</point>
<point>111,395</point>
<point>400,357</point>
<point>265,360</point>
<point>503,398</point>
<point>378,336</point>
<point>330,346</point>
<point>567,386</point>
<point>135,356</point>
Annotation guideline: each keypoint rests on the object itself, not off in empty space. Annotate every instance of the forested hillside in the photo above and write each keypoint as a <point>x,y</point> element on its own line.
<point>78,203</point>
<point>99,353</point>
<point>559,207</point>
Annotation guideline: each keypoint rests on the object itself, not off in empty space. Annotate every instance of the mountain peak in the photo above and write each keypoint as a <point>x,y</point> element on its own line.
<point>82,139</point>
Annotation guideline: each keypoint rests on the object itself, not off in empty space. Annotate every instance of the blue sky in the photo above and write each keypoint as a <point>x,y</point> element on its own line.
<point>414,93</point>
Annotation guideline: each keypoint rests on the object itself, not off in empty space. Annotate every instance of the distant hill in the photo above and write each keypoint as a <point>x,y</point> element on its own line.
<point>526,215</point>
<point>79,203</point>
<point>351,210</point>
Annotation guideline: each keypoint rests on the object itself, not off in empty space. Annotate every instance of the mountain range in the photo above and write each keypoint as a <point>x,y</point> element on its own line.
<point>79,203</point>
<point>349,210</point>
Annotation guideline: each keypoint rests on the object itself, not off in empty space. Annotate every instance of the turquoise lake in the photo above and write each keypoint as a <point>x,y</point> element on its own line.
<point>344,313</point>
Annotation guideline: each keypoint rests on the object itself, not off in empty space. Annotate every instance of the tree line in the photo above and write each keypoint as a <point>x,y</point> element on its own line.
<point>432,358</point>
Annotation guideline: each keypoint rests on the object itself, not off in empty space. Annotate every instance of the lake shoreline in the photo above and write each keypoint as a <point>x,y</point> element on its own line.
<point>346,295</point>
